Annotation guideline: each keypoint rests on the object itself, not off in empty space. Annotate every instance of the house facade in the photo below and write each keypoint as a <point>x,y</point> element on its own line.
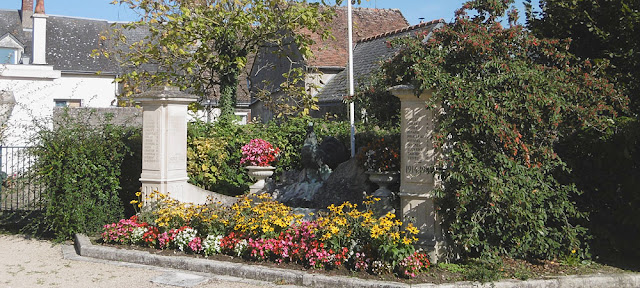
<point>330,56</point>
<point>46,62</point>
<point>368,55</point>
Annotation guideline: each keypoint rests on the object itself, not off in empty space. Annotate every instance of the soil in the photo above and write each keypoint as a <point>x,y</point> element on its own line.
<point>436,274</point>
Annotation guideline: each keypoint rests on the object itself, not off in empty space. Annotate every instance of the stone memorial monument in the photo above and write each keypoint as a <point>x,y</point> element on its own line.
<point>164,145</point>
<point>417,182</point>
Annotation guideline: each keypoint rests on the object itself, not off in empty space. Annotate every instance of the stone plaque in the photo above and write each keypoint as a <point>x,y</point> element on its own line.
<point>151,141</point>
<point>177,130</point>
<point>417,147</point>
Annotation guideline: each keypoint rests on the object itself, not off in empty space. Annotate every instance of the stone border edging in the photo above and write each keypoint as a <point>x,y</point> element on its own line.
<point>84,248</point>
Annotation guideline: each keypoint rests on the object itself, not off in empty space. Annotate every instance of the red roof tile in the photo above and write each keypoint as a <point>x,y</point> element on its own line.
<point>367,22</point>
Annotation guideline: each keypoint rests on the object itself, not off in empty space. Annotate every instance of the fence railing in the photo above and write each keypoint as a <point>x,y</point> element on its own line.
<point>20,189</point>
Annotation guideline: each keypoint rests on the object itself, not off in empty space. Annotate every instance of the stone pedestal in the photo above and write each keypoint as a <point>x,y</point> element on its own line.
<point>164,142</point>
<point>417,182</point>
<point>260,175</point>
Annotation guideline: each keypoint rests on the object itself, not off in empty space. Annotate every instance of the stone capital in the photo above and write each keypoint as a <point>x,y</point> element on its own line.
<point>165,95</point>
<point>407,93</point>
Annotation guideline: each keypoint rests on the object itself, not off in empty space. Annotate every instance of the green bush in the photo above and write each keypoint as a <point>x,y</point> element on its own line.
<point>217,168</point>
<point>504,99</point>
<point>606,167</point>
<point>80,167</point>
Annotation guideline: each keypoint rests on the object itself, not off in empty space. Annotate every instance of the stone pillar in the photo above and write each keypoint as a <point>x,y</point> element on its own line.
<point>417,182</point>
<point>164,142</point>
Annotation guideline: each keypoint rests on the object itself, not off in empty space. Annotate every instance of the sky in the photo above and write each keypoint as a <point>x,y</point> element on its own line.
<point>412,10</point>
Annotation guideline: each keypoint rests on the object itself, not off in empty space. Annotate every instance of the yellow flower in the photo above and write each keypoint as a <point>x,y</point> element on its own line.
<point>412,229</point>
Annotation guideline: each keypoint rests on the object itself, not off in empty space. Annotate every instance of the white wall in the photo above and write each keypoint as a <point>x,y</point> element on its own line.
<point>320,78</point>
<point>35,91</point>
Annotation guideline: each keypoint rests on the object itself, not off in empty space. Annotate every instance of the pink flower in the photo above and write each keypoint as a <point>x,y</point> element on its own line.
<point>259,153</point>
<point>196,244</point>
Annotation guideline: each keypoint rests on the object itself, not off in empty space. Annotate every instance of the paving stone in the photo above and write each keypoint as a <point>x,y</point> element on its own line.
<point>179,279</point>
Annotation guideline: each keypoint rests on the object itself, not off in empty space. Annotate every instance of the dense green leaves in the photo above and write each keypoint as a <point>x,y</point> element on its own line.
<point>80,167</point>
<point>506,98</point>
<point>220,143</point>
<point>600,30</point>
<point>604,165</point>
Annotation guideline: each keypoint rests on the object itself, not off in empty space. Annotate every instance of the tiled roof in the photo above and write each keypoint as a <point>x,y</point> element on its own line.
<point>10,23</point>
<point>367,57</point>
<point>367,22</point>
<point>70,42</point>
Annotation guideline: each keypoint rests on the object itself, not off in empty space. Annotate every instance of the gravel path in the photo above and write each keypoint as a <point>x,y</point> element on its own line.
<point>36,263</point>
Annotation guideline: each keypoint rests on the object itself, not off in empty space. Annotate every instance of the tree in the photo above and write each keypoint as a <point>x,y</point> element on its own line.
<point>203,45</point>
<point>599,30</point>
<point>606,166</point>
<point>506,98</point>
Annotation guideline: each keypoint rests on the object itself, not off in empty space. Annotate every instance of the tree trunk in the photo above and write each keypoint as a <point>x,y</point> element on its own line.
<point>228,87</point>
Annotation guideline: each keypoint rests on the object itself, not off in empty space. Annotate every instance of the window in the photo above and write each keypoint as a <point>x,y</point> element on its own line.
<point>241,118</point>
<point>9,55</point>
<point>10,49</point>
<point>71,103</point>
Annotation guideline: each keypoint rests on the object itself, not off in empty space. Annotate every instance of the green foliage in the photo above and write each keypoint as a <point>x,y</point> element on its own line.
<point>506,98</point>
<point>80,165</point>
<point>606,167</point>
<point>382,108</point>
<point>483,270</point>
<point>216,147</point>
<point>599,30</point>
<point>203,161</point>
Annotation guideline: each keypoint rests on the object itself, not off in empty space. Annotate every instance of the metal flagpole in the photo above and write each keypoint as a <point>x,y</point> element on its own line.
<point>351,88</point>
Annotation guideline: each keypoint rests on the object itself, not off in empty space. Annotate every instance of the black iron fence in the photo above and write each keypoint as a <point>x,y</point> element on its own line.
<point>20,189</point>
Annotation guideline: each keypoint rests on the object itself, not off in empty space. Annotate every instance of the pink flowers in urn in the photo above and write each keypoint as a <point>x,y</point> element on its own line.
<point>259,153</point>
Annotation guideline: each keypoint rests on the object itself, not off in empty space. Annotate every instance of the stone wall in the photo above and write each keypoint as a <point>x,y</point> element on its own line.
<point>123,116</point>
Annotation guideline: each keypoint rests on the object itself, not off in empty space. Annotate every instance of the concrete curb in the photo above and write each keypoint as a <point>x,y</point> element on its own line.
<point>84,248</point>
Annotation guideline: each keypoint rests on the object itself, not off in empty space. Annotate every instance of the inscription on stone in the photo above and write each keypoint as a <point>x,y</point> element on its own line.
<point>418,148</point>
<point>150,144</point>
<point>177,131</point>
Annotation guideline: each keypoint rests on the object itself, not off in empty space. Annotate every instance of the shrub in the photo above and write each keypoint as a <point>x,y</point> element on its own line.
<point>80,167</point>
<point>605,166</point>
<point>204,161</point>
<point>216,148</point>
<point>506,98</point>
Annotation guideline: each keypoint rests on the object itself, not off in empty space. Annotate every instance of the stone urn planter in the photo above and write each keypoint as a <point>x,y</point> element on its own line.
<point>383,180</point>
<point>259,174</point>
<point>387,202</point>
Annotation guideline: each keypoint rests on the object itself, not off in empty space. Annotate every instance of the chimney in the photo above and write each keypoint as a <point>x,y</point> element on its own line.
<point>39,7</point>
<point>26,13</point>
<point>39,34</point>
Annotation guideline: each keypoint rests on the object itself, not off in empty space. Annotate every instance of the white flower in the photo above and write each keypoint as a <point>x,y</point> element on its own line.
<point>137,234</point>
<point>240,247</point>
<point>184,237</point>
<point>211,245</point>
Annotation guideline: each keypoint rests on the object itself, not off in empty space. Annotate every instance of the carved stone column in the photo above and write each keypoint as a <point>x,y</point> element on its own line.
<point>417,182</point>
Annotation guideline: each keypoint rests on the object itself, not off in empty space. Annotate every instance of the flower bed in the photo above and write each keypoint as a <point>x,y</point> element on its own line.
<point>259,229</point>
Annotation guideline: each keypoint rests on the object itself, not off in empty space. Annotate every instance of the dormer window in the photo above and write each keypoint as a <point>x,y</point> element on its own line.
<point>10,49</point>
<point>9,55</point>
